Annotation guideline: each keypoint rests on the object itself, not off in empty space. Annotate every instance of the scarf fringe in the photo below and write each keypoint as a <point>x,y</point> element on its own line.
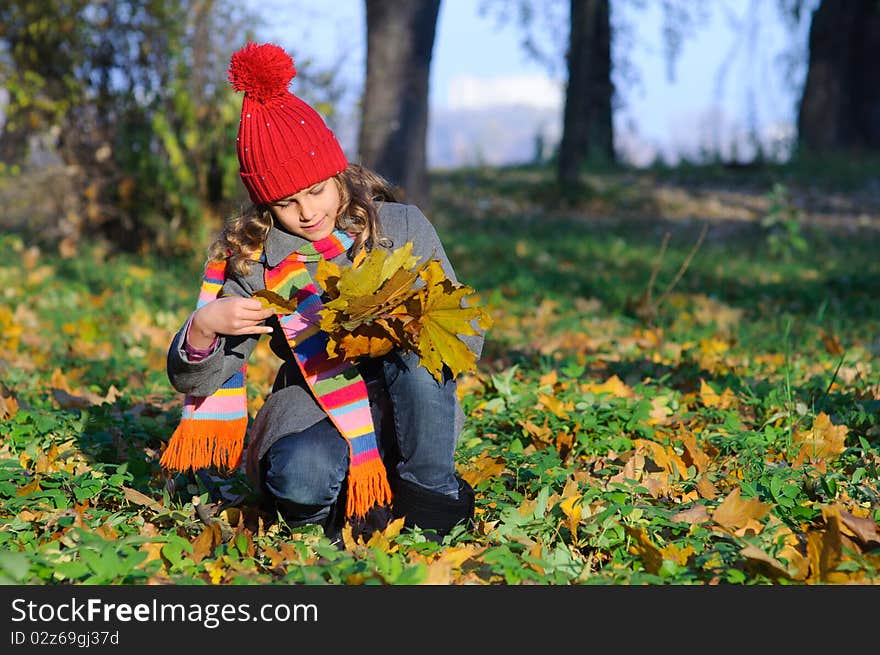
<point>367,486</point>
<point>198,443</point>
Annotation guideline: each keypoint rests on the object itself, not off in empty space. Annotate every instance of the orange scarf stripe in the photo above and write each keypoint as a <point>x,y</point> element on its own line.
<point>201,444</point>
<point>367,486</point>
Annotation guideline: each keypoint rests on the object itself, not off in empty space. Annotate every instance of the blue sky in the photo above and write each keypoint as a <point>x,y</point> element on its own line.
<point>667,114</point>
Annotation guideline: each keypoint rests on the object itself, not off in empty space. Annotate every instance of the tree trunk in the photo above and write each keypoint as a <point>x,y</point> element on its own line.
<point>587,132</point>
<point>840,106</point>
<point>394,115</point>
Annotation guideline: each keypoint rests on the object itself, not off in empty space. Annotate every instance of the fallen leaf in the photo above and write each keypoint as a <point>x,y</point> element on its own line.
<point>695,514</point>
<point>757,559</point>
<point>613,386</point>
<point>136,497</point>
<point>541,434</point>
<point>693,454</point>
<point>736,512</point>
<point>8,404</point>
<point>823,441</point>
<point>706,489</point>
<point>31,487</point>
<point>831,343</point>
<point>644,549</point>
<point>483,468</point>
<point>710,398</point>
<point>555,405</point>
<point>863,529</point>
<point>204,544</point>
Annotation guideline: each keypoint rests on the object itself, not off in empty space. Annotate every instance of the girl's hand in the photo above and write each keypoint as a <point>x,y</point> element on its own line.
<point>231,316</point>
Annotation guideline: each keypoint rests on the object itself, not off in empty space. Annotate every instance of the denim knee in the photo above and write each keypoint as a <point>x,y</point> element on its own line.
<point>305,471</point>
<point>425,413</point>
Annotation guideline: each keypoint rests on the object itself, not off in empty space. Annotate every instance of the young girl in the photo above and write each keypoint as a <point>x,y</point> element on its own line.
<point>361,441</point>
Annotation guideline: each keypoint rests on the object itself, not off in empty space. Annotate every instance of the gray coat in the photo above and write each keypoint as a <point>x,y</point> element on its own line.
<point>290,407</point>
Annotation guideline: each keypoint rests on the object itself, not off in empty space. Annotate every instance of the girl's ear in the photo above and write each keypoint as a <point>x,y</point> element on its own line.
<point>344,194</point>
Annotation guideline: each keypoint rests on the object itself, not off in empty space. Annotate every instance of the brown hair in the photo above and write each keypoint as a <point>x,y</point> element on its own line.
<point>241,241</point>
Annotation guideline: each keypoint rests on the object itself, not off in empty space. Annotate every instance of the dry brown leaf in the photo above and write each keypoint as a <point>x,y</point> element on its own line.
<point>760,561</point>
<point>657,484</point>
<point>710,398</point>
<point>564,443</point>
<point>548,379</point>
<point>736,513</point>
<point>693,454</point>
<point>798,564</point>
<point>31,487</point>
<point>664,457</point>
<point>483,468</point>
<point>644,549</point>
<point>206,542</point>
<point>660,411</point>
<point>678,554</point>
<point>8,404</point>
<point>276,302</point>
<point>863,529</point>
<point>823,441</point>
<point>695,514</point>
<point>107,531</point>
<point>136,497</point>
<point>541,435</point>
<point>831,343</point>
<point>706,489</point>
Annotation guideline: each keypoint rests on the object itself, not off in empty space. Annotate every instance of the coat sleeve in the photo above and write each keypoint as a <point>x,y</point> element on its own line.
<point>427,245</point>
<point>204,377</point>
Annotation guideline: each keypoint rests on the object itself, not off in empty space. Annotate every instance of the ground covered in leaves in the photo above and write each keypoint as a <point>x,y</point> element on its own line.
<point>680,387</point>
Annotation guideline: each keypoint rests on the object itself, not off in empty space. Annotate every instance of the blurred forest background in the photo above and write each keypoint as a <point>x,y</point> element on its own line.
<point>117,122</point>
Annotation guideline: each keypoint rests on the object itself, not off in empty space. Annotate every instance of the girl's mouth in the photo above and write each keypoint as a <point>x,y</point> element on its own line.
<point>315,226</point>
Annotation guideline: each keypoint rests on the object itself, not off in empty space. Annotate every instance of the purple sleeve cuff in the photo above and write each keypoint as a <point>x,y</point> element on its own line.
<point>197,354</point>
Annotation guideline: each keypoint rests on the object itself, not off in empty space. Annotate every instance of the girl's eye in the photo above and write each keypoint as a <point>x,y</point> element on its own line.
<point>317,190</point>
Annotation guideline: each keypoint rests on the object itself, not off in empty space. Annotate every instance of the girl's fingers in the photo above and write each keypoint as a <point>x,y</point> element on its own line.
<point>259,313</point>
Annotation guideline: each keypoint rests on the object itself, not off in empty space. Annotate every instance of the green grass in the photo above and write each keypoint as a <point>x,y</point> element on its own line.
<point>598,454</point>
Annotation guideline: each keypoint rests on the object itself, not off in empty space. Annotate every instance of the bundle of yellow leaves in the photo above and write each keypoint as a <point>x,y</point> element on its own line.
<point>387,300</point>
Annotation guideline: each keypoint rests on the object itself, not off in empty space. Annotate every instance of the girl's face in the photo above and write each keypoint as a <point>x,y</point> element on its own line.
<point>310,213</point>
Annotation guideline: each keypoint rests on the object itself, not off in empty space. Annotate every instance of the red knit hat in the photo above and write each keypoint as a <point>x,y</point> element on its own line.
<point>283,144</point>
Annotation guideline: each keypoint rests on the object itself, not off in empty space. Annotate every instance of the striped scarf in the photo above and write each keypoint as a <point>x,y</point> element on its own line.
<point>212,428</point>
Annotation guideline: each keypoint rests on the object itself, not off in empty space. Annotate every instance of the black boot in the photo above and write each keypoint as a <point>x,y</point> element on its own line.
<point>334,522</point>
<point>433,512</point>
<point>376,519</point>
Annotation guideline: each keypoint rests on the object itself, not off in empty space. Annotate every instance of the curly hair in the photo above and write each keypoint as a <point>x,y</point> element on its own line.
<point>241,241</point>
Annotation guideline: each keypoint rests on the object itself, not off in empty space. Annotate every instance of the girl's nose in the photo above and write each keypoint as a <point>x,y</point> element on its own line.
<point>307,210</point>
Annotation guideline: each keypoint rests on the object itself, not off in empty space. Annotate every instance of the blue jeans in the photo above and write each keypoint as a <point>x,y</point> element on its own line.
<point>414,420</point>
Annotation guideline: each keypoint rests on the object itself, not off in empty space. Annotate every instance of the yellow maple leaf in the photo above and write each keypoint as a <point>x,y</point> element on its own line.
<point>274,301</point>
<point>571,506</point>
<point>365,278</point>
<point>360,342</point>
<point>440,317</point>
<point>711,398</point>
<point>613,385</point>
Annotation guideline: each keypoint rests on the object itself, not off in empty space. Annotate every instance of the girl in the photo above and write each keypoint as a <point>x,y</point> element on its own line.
<point>360,441</point>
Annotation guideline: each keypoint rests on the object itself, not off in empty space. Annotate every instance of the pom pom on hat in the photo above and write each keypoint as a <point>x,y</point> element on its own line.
<point>262,71</point>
